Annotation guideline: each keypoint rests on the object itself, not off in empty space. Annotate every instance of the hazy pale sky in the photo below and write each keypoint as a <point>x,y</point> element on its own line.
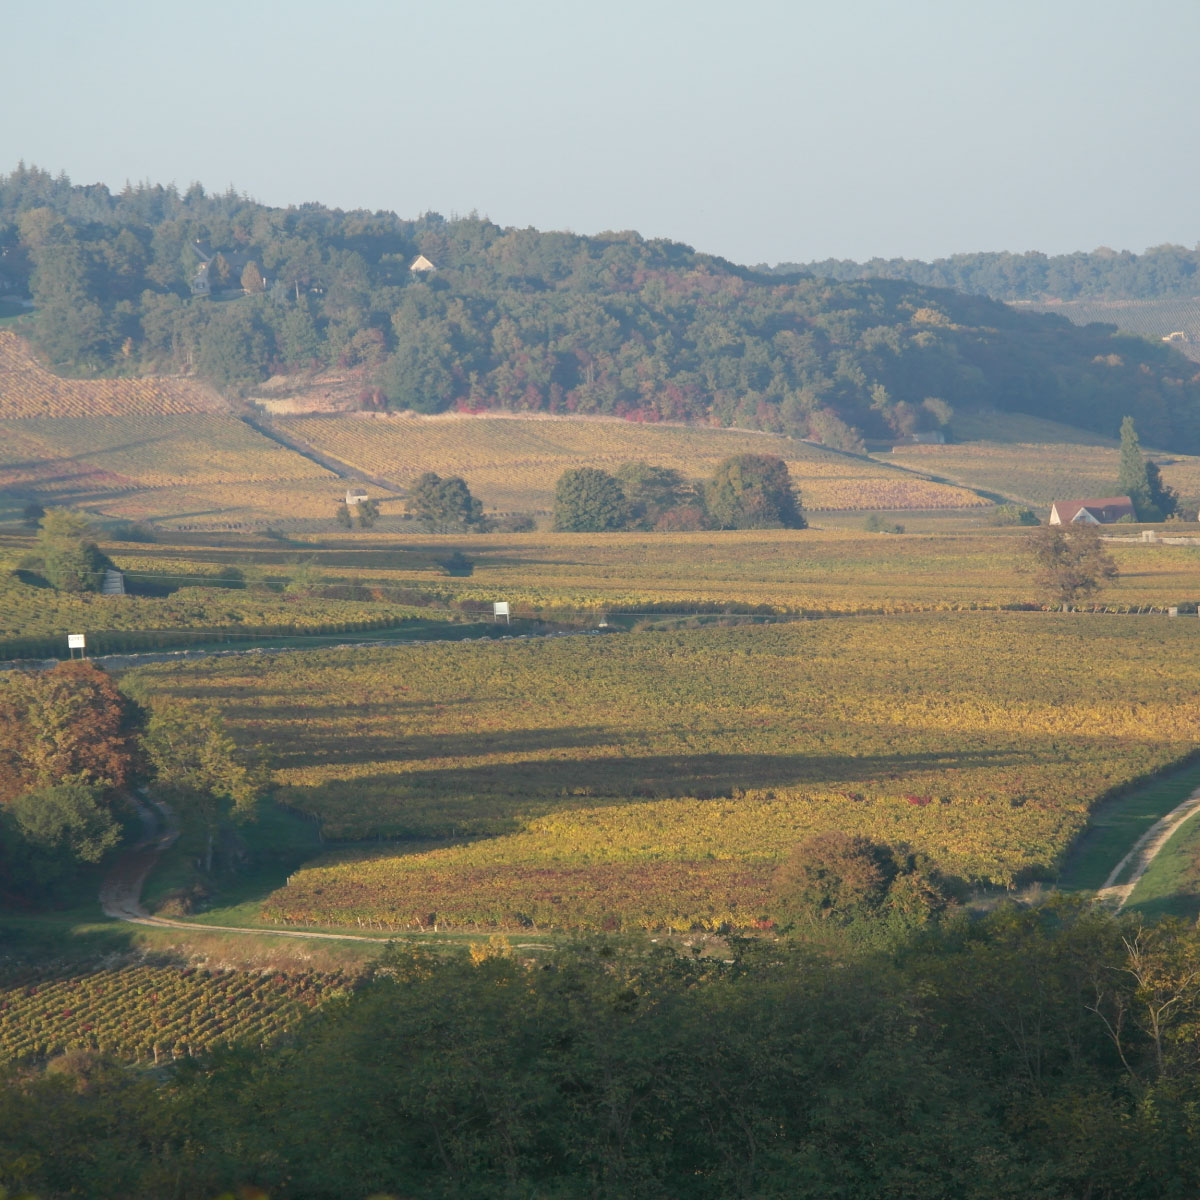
<point>760,130</point>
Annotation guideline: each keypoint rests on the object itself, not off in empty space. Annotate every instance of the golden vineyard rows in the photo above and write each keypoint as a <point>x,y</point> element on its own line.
<point>143,451</point>
<point>1042,473</point>
<point>27,389</point>
<point>655,780</point>
<point>145,1012</point>
<point>513,463</point>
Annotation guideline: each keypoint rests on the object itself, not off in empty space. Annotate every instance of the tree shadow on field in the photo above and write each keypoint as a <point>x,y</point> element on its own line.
<point>367,744</point>
<point>500,797</point>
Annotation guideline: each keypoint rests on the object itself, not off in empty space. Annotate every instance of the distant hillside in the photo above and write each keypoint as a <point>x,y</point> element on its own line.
<point>229,290</point>
<point>1103,274</point>
<point>1174,318</point>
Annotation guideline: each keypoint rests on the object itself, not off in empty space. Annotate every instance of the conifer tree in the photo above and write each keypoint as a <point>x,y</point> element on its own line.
<point>1140,481</point>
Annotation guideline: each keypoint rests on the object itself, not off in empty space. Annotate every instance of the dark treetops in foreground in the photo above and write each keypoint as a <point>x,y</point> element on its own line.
<point>1046,1052</point>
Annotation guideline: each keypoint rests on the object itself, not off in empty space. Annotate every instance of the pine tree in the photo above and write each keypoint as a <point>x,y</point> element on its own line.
<point>1140,481</point>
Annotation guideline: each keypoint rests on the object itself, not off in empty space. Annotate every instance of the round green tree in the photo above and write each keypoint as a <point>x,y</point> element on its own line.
<point>588,500</point>
<point>753,491</point>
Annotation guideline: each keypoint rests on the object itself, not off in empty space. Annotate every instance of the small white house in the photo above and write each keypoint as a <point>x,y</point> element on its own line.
<point>356,496</point>
<point>1105,511</point>
<point>421,265</point>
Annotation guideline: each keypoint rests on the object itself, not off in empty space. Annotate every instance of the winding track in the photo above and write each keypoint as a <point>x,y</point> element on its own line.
<point>121,892</point>
<point>1143,852</point>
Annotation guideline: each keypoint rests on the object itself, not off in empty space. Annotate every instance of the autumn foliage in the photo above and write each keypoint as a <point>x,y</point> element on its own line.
<point>68,724</point>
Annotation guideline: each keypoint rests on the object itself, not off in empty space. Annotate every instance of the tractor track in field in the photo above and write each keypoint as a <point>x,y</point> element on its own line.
<point>1143,852</point>
<point>121,891</point>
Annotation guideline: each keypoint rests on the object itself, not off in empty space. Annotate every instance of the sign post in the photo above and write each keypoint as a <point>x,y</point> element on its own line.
<point>75,641</point>
<point>500,609</point>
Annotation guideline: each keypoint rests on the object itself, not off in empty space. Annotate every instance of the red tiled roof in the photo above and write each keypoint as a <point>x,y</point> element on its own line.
<point>1105,510</point>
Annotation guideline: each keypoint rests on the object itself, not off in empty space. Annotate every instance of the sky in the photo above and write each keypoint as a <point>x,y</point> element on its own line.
<point>759,130</point>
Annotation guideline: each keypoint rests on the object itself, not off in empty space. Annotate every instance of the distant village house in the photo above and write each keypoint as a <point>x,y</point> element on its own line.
<point>356,496</point>
<point>421,265</point>
<point>1106,511</point>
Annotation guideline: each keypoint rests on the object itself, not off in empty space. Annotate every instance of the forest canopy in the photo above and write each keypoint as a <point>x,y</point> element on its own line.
<point>154,279</point>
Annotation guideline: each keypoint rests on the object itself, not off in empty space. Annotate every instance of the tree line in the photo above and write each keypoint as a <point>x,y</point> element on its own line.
<point>550,322</point>
<point>745,491</point>
<point>1101,274</point>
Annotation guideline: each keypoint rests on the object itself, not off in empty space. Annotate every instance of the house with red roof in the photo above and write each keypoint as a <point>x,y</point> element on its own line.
<point>1106,511</point>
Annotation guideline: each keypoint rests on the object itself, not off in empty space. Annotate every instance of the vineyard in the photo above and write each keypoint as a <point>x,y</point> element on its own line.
<point>1150,318</point>
<point>33,620</point>
<point>207,468</point>
<point>147,1013</point>
<point>369,581</point>
<point>27,389</point>
<point>655,780</point>
<point>513,463</point>
<point>1041,474</point>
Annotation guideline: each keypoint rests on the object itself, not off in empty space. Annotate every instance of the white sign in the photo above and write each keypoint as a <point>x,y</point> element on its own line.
<point>500,609</point>
<point>75,641</point>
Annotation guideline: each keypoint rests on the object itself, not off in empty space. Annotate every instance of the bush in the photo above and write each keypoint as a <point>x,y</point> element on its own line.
<point>877,524</point>
<point>457,564</point>
<point>1012,514</point>
<point>517,523</point>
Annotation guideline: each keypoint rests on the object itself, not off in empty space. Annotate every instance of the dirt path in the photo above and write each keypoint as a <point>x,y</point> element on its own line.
<point>1144,852</point>
<point>121,892</point>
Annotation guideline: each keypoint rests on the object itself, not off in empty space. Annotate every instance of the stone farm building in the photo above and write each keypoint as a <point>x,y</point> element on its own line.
<point>1105,511</point>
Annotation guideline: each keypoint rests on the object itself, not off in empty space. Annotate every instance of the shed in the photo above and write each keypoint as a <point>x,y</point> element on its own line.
<point>356,495</point>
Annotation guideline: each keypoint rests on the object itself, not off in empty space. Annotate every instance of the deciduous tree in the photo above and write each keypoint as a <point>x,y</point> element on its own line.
<point>444,505</point>
<point>60,826</point>
<point>66,550</point>
<point>1069,562</point>
<point>588,500</point>
<point>660,497</point>
<point>67,724</point>
<point>753,491</point>
<point>198,768</point>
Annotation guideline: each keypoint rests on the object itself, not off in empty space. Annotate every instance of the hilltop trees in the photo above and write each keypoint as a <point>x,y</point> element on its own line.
<point>1140,481</point>
<point>515,319</point>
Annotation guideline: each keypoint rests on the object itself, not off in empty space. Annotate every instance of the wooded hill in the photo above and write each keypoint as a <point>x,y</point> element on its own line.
<point>530,321</point>
<point>1162,272</point>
